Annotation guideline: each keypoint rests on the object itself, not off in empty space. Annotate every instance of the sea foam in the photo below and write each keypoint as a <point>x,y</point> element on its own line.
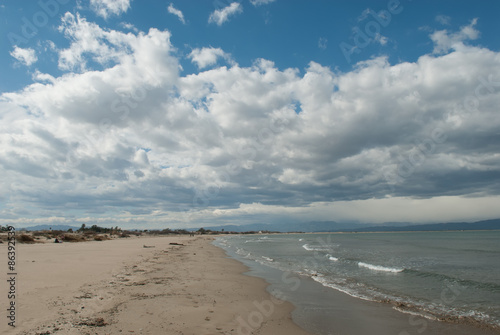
<point>379,268</point>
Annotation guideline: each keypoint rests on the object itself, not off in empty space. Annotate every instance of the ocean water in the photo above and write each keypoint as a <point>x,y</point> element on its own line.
<point>436,275</point>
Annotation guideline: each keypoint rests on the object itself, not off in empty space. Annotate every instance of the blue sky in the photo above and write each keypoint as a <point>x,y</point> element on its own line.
<point>288,33</point>
<point>175,113</point>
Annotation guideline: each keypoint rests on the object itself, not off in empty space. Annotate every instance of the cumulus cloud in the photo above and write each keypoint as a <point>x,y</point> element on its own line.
<point>205,57</point>
<point>444,40</point>
<point>106,8</point>
<point>172,10</point>
<point>219,16</point>
<point>25,56</point>
<point>134,142</point>
<point>89,42</point>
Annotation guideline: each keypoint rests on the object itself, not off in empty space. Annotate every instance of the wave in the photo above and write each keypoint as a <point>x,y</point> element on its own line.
<point>351,292</point>
<point>330,257</point>
<point>268,259</point>
<point>312,248</point>
<point>415,313</point>
<point>379,268</point>
<point>263,239</point>
<point>413,307</point>
<point>257,241</point>
<point>244,253</point>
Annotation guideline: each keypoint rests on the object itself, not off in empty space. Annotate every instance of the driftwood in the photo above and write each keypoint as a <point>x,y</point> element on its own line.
<point>175,243</point>
<point>148,246</point>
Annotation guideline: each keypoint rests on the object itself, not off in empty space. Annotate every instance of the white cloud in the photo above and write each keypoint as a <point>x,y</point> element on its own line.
<point>39,76</point>
<point>205,57</point>
<point>91,42</point>
<point>87,39</point>
<point>136,143</point>
<point>443,19</point>
<point>322,43</point>
<point>261,2</point>
<point>129,26</point>
<point>106,8</point>
<point>219,16</point>
<point>382,40</point>
<point>26,56</point>
<point>444,41</point>
<point>172,10</point>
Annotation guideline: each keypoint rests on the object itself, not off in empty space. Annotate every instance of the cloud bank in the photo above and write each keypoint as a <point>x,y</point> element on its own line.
<point>123,138</point>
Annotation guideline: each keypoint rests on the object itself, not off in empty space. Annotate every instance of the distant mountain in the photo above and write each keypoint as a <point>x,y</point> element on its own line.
<point>307,227</point>
<point>53,227</point>
<point>479,225</point>
<point>332,226</point>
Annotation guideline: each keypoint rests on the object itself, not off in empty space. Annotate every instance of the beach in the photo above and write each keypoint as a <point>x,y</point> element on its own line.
<point>139,285</point>
<point>184,285</point>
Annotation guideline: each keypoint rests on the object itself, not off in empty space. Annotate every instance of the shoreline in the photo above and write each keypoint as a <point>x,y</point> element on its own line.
<point>324,310</point>
<point>146,285</point>
<point>121,286</point>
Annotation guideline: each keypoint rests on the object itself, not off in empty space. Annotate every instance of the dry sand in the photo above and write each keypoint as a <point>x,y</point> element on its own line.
<point>120,287</point>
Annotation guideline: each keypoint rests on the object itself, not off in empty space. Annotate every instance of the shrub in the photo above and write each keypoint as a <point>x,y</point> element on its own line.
<point>101,238</point>
<point>73,238</point>
<point>26,238</point>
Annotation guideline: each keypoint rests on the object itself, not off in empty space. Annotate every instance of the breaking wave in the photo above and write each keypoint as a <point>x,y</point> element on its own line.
<point>379,268</point>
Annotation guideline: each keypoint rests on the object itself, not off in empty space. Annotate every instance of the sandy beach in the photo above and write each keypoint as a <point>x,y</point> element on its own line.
<point>179,285</point>
<point>119,286</point>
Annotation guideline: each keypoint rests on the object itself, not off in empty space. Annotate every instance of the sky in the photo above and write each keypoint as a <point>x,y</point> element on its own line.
<point>153,114</point>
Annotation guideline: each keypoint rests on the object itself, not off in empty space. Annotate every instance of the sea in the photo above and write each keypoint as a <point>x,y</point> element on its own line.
<point>453,276</point>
